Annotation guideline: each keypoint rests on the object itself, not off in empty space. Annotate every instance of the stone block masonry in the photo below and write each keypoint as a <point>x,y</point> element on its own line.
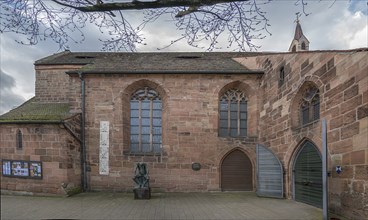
<point>190,124</point>
<point>189,127</point>
<point>343,88</point>
<point>58,151</point>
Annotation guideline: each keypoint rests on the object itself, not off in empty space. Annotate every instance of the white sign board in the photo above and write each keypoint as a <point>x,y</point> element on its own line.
<point>104,147</point>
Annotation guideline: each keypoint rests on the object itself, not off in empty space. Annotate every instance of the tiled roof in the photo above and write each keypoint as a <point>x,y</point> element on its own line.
<point>34,112</point>
<point>164,62</point>
<point>298,31</point>
<point>168,62</point>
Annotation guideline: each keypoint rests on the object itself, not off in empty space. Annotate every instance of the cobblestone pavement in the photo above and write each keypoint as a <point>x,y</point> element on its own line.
<point>218,205</point>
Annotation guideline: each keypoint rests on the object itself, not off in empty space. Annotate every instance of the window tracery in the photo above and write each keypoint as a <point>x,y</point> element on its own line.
<point>233,114</point>
<point>310,105</point>
<point>145,121</point>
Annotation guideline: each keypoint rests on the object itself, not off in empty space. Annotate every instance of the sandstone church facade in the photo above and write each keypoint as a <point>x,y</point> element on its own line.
<point>246,121</point>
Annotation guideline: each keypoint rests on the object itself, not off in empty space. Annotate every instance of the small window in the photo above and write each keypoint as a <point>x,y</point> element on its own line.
<point>281,76</point>
<point>293,49</point>
<point>18,139</point>
<point>303,45</point>
<point>310,107</point>
<point>233,114</point>
<point>145,121</point>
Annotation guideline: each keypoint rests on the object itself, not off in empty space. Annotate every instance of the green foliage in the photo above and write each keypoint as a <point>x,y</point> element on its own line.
<point>73,191</point>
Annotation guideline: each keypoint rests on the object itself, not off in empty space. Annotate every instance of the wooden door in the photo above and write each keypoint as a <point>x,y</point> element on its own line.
<point>236,172</point>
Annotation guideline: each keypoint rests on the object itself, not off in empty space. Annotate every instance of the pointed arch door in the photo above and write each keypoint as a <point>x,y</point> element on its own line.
<point>308,175</point>
<point>269,173</point>
<point>236,172</point>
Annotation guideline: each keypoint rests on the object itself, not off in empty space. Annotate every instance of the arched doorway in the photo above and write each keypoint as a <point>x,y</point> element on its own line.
<point>308,175</point>
<point>236,172</point>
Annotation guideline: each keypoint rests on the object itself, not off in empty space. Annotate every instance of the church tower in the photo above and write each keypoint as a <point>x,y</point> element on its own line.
<point>300,42</point>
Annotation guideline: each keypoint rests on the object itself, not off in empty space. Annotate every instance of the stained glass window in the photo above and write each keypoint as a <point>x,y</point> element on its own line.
<point>310,108</point>
<point>233,114</point>
<point>145,121</point>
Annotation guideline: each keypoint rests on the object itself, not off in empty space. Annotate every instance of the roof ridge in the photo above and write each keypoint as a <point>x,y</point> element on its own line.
<point>53,56</point>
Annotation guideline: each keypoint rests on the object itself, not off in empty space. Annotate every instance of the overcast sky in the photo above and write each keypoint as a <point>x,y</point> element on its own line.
<point>338,25</point>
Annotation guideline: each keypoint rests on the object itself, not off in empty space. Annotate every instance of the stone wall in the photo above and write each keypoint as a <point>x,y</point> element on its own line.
<point>342,80</point>
<point>190,129</point>
<point>52,84</point>
<point>190,126</point>
<point>51,144</point>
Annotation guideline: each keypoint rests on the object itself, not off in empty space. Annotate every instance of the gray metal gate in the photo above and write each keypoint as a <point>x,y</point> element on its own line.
<point>269,173</point>
<point>308,175</point>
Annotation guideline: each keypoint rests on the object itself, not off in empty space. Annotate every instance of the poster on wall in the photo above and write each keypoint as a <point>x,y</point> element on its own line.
<point>6,168</point>
<point>20,168</point>
<point>35,169</point>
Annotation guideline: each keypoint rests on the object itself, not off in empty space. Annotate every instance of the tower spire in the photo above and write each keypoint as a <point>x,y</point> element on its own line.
<point>300,42</point>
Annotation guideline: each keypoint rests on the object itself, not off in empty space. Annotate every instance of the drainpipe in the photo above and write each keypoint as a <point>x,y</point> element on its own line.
<point>83,139</point>
<point>324,170</point>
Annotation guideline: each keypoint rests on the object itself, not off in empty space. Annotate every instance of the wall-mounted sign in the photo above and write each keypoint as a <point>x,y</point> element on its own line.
<point>104,148</point>
<point>338,169</point>
<point>21,168</point>
<point>196,166</point>
<point>35,169</point>
<point>6,168</point>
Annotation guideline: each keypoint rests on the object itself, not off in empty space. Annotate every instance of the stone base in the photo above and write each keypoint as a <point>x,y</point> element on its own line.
<point>142,193</point>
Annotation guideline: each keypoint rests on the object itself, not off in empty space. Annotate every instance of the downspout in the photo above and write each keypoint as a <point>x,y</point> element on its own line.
<point>83,139</point>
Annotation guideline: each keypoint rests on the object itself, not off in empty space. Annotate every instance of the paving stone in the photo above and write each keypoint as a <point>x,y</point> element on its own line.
<point>219,205</point>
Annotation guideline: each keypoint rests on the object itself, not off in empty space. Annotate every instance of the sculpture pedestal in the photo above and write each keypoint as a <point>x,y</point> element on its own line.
<point>142,193</point>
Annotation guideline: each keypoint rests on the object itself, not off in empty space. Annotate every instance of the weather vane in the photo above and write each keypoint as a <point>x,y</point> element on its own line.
<point>297,17</point>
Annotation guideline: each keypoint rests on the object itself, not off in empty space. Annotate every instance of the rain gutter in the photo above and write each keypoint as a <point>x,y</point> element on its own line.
<point>167,72</point>
<point>83,139</point>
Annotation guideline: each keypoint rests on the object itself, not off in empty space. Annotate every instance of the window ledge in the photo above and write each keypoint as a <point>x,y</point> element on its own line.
<point>243,138</point>
<point>309,124</point>
<point>142,154</point>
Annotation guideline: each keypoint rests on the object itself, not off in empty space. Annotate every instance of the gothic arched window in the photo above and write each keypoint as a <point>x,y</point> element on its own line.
<point>233,114</point>
<point>310,105</point>
<point>303,45</point>
<point>293,49</point>
<point>145,121</point>
<point>18,139</point>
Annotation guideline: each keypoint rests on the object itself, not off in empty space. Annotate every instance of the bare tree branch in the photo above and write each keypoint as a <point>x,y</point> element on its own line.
<point>202,23</point>
<point>139,5</point>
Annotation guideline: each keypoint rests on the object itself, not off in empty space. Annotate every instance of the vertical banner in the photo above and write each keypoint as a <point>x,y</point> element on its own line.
<point>104,148</point>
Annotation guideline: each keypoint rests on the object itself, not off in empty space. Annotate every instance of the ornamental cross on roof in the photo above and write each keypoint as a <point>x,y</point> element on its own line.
<point>297,17</point>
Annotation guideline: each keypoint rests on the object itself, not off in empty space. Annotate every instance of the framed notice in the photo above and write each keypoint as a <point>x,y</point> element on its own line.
<point>21,168</point>
<point>35,169</point>
<point>6,171</point>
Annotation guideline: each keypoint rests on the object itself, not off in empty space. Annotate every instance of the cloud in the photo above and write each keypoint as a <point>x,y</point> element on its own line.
<point>330,25</point>
<point>8,99</point>
<point>358,6</point>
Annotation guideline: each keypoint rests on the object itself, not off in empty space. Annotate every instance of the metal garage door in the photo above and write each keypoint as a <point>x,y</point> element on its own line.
<point>269,173</point>
<point>308,175</point>
<point>236,172</point>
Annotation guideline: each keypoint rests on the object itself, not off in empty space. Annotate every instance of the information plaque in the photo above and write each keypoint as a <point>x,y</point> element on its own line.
<point>22,168</point>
